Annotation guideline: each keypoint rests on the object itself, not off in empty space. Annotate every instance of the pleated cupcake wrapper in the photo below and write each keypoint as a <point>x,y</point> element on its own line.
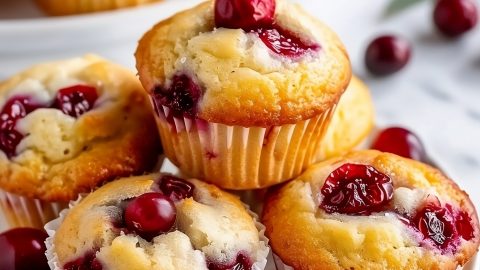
<point>240,158</point>
<point>52,226</point>
<point>19,211</point>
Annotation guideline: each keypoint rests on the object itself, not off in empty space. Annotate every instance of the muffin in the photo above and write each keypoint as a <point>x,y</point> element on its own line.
<point>67,127</point>
<point>157,222</point>
<point>372,210</point>
<point>70,7</point>
<point>253,113</point>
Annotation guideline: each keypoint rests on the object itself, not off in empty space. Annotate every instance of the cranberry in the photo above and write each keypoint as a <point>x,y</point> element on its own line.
<point>455,17</point>
<point>76,100</point>
<point>356,189</point>
<point>181,97</point>
<point>463,224</point>
<point>150,214</point>
<point>244,14</point>
<point>401,142</point>
<point>387,54</point>
<point>176,188</point>
<point>86,262</point>
<point>242,262</point>
<point>23,249</point>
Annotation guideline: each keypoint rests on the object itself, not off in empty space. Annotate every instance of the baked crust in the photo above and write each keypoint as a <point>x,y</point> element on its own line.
<point>243,82</point>
<point>116,138</point>
<point>70,7</point>
<point>324,242</point>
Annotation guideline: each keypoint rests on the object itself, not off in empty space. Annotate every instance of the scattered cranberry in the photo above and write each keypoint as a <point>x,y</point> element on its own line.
<point>23,249</point>
<point>283,42</point>
<point>356,189</point>
<point>176,188</point>
<point>150,214</point>
<point>76,100</point>
<point>181,97</point>
<point>455,17</point>
<point>387,54</point>
<point>242,262</point>
<point>244,14</point>
<point>87,262</point>
<point>401,142</point>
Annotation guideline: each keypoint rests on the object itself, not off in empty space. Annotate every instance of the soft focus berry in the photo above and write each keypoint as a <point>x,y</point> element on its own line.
<point>387,54</point>
<point>455,17</point>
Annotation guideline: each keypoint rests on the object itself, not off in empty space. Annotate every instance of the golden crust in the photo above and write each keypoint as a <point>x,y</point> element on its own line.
<point>117,139</point>
<point>245,84</point>
<point>326,243</point>
<point>69,7</point>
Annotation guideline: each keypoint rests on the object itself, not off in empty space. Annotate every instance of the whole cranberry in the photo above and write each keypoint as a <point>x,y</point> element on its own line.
<point>455,17</point>
<point>23,249</point>
<point>387,54</point>
<point>150,215</point>
<point>244,14</point>
<point>400,141</point>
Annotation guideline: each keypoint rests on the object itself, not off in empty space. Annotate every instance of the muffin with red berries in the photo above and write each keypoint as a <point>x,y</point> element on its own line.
<point>372,210</point>
<point>157,222</point>
<point>65,128</point>
<point>71,7</point>
<point>243,90</point>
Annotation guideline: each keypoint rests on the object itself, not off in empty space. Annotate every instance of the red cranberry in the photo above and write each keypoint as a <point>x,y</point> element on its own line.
<point>244,14</point>
<point>150,214</point>
<point>387,54</point>
<point>455,17</point>
<point>242,262</point>
<point>463,224</point>
<point>76,100</point>
<point>181,97</point>
<point>356,189</point>
<point>23,249</point>
<point>401,142</point>
<point>176,188</point>
<point>87,262</point>
<point>283,42</point>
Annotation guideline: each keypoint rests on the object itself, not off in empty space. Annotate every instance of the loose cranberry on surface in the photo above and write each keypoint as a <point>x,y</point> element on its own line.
<point>23,249</point>
<point>86,262</point>
<point>76,100</point>
<point>455,17</point>
<point>387,54</point>
<point>150,215</point>
<point>176,188</point>
<point>242,262</point>
<point>356,189</point>
<point>244,14</point>
<point>400,141</point>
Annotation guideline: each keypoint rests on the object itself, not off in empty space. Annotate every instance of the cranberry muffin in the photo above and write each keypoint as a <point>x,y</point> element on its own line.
<point>372,210</point>
<point>65,128</point>
<point>243,90</point>
<point>70,7</point>
<point>157,222</point>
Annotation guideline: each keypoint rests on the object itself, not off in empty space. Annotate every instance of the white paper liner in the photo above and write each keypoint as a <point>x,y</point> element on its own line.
<point>19,211</point>
<point>52,226</point>
<point>239,158</point>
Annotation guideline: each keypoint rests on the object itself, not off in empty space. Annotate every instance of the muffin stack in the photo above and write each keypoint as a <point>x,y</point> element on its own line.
<point>245,95</point>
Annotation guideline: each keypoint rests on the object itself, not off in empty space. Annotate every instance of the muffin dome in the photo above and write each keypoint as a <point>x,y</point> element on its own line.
<point>70,7</point>
<point>69,126</point>
<point>372,210</point>
<point>234,77</point>
<point>212,229</point>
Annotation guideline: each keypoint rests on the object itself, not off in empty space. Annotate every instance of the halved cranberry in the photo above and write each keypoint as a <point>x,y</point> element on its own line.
<point>150,215</point>
<point>181,97</point>
<point>356,189</point>
<point>387,54</point>
<point>455,17</point>
<point>176,188</point>
<point>400,141</point>
<point>244,14</point>
<point>76,100</point>
<point>284,42</point>
<point>86,262</point>
<point>242,262</point>
<point>23,249</point>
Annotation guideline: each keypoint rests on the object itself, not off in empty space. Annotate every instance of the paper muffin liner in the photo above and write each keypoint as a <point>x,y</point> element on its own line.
<point>66,7</point>
<point>239,158</point>
<point>19,211</point>
<point>52,226</point>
